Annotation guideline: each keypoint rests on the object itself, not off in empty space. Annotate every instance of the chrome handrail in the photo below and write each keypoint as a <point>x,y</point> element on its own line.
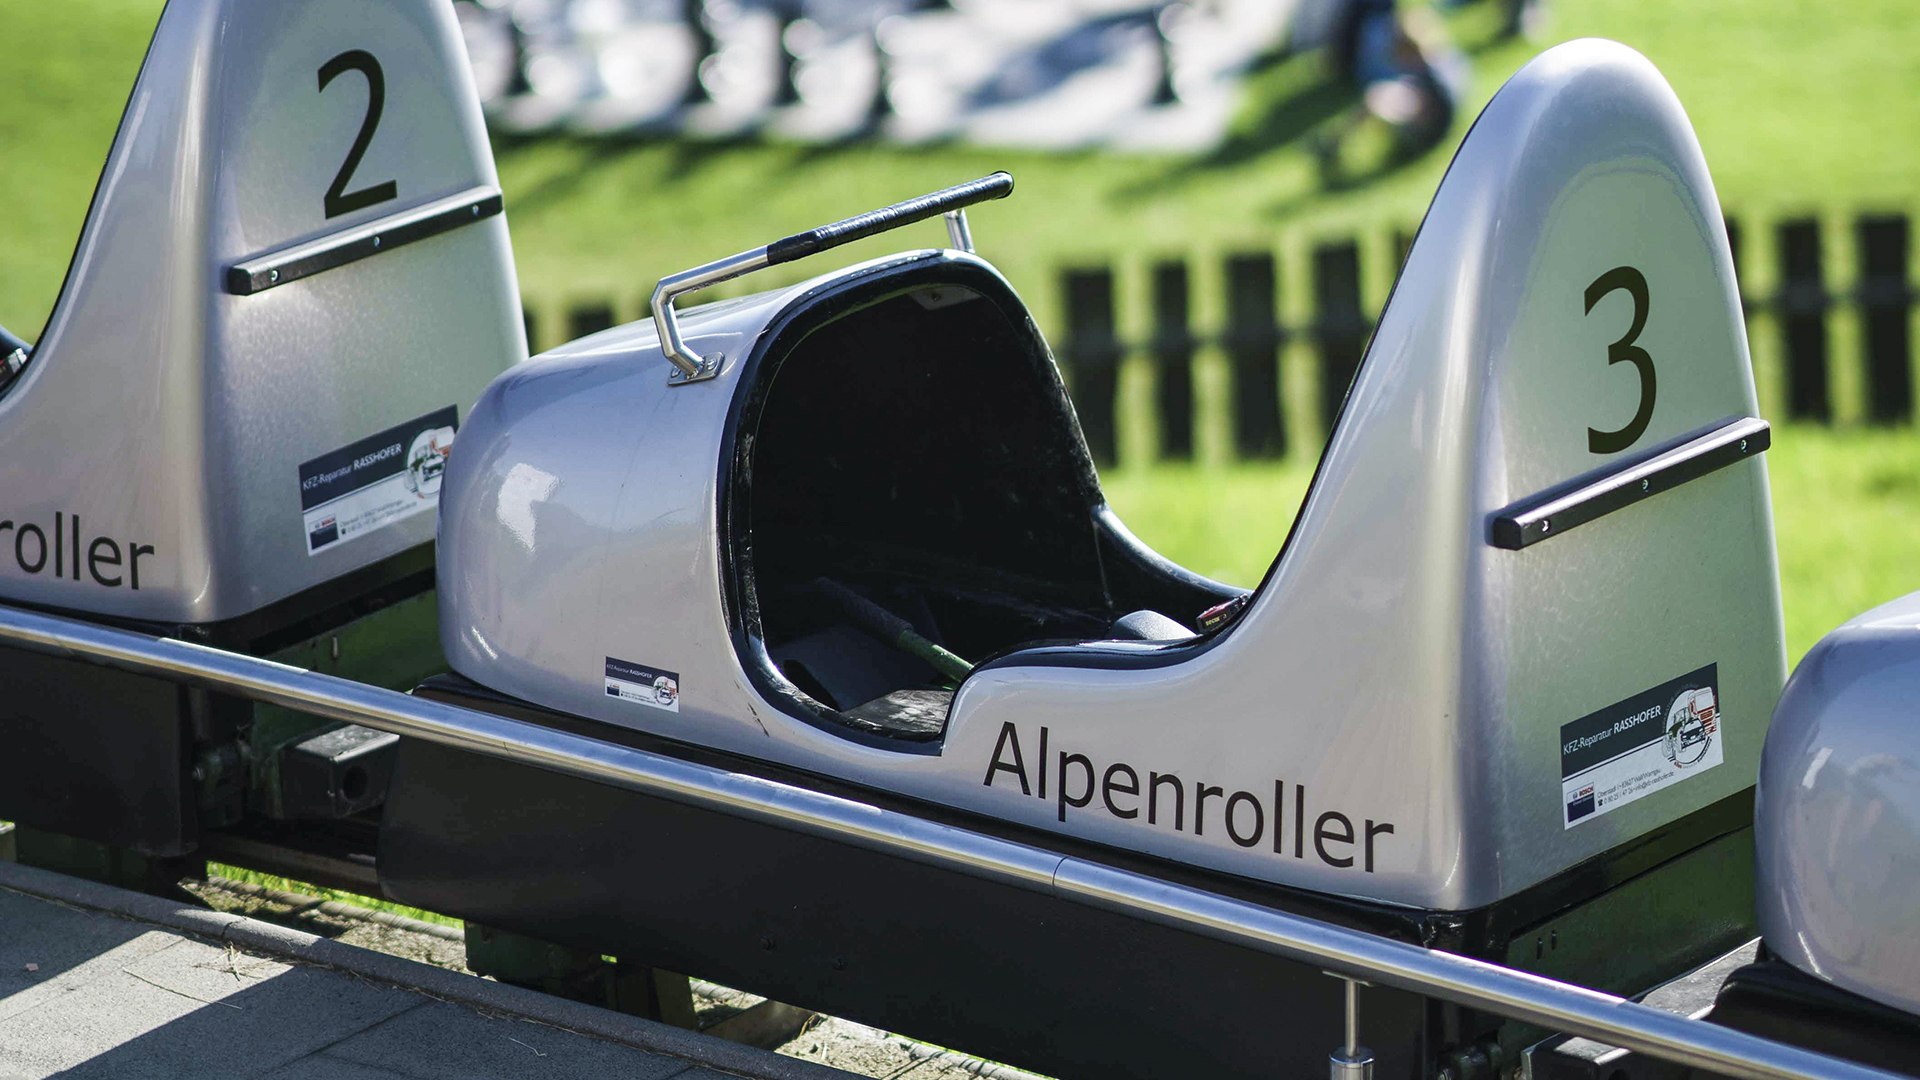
<point>1346,953</point>
<point>690,366</point>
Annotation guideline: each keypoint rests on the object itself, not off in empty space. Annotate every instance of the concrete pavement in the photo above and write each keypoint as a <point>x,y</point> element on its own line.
<point>99,982</point>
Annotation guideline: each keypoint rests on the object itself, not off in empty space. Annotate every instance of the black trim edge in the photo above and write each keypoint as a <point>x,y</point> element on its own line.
<point>1624,483</point>
<point>362,241</point>
<point>290,619</point>
<point>1482,932</point>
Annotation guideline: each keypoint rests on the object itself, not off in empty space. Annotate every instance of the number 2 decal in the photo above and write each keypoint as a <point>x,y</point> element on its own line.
<point>1625,351</point>
<point>338,200</point>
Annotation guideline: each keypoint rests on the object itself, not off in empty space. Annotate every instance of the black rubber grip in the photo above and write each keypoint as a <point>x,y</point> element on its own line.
<point>876,618</point>
<point>813,241</point>
<point>894,629</point>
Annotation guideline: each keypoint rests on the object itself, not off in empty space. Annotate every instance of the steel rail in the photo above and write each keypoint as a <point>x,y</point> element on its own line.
<point>1340,951</point>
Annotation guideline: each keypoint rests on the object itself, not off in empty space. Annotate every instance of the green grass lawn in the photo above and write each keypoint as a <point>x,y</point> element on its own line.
<point>1799,105</point>
<point>273,881</point>
<point>1847,518</point>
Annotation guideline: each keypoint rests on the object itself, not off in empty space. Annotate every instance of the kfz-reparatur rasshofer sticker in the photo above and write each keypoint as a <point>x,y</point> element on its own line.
<point>1635,747</point>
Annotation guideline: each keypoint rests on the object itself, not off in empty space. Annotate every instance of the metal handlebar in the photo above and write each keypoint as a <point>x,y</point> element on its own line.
<point>952,202</point>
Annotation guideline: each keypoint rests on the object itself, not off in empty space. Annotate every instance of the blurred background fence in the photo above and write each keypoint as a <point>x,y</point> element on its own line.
<point>1206,303</point>
<point>1284,347</point>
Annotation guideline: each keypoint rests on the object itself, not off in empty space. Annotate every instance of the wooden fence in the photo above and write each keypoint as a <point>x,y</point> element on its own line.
<point>1255,344</point>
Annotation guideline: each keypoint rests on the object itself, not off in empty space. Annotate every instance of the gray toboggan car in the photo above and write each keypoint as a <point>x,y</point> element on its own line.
<point>790,641</point>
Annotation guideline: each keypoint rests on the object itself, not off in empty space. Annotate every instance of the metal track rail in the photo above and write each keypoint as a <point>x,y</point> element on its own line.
<point>1337,950</point>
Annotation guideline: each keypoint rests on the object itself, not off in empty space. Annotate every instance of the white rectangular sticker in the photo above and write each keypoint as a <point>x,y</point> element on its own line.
<point>656,688</point>
<point>377,481</point>
<point>1633,748</point>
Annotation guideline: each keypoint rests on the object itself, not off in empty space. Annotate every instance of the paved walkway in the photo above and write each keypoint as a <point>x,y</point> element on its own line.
<point>99,982</point>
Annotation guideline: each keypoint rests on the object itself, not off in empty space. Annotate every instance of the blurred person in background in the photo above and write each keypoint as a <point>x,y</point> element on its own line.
<point>1409,75</point>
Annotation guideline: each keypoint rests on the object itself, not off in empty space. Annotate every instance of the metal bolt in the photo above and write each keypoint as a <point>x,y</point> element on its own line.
<point>273,275</point>
<point>1351,1061</point>
<point>476,209</point>
<point>1743,446</point>
<point>766,942</point>
<point>1546,525</point>
<point>1645,484</point>
<point>376,241</point>
<point>839,963</point>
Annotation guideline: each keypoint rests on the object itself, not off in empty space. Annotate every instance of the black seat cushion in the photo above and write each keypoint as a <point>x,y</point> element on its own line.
<point>1148,626</point>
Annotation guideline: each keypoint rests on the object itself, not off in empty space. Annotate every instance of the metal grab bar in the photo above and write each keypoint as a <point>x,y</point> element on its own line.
<point>1340,951</point>
<point>690,366</point>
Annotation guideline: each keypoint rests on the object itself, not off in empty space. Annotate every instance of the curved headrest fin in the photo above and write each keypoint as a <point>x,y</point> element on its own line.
<point>1544,493</point>
<point>296,244</point>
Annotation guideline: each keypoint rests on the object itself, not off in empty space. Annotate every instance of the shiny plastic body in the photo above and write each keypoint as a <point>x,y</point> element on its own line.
<point>1393,701</point>
<point>160,429</point>
<point>1837,819</point>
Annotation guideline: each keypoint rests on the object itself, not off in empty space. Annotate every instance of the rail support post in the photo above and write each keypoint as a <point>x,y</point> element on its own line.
<point>1352,1061</point>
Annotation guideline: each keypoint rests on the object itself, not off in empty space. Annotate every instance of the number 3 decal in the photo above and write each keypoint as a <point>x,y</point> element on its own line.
<point>338,200</point>
<point>1625,351</point>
